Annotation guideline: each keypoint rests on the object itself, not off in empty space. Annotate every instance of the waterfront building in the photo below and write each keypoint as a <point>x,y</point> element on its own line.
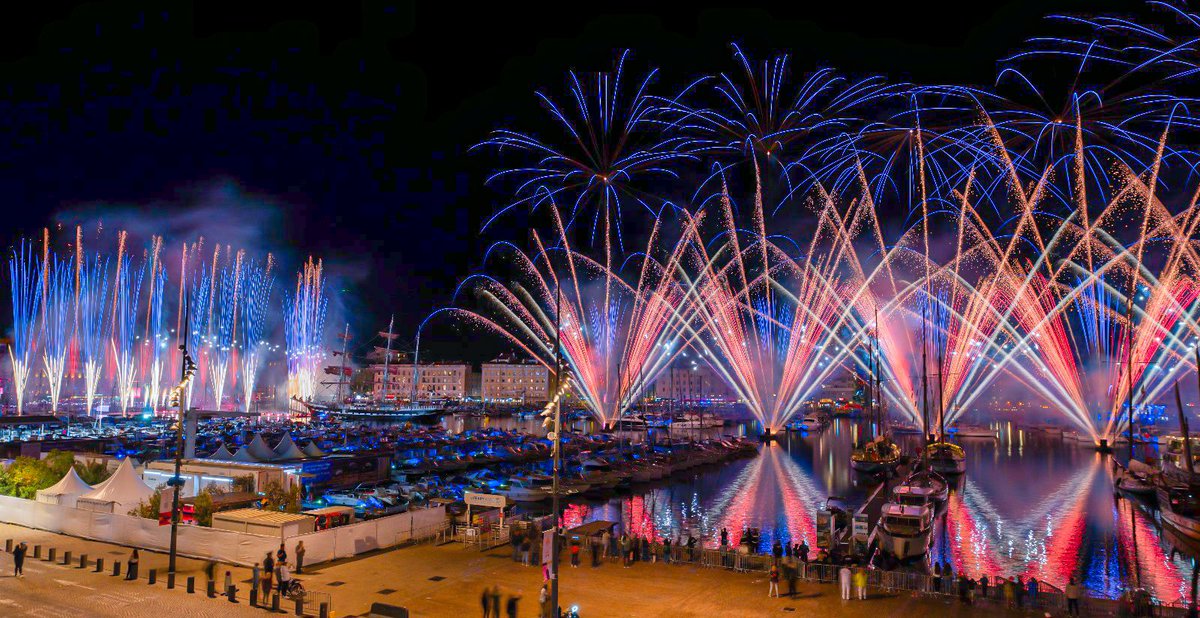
<point>507,379</point>
<point>436,382</point>
<point>691,381</point>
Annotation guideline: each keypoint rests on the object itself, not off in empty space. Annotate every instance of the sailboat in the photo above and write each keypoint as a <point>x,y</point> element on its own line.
<point>881,454</point>
<point>375,410</point>
<point>941,456</point>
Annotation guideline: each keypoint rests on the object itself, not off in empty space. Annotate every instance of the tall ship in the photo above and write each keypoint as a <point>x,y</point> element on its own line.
<point>381,409</point>
<point>880,455</point>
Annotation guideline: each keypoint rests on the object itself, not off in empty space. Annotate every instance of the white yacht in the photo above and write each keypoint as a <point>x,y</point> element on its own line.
<point>904,530</point>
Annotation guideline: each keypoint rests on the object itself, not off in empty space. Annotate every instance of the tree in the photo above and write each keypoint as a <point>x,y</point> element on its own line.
<point>26,475</point>
<point>276,498</point>
<point>244,483</point>
<point>93,471</point>
<point>148,509</point>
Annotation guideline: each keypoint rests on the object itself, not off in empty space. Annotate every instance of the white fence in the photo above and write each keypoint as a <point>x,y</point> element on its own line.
<point>347,541</point>
<point>222,545</point>
<point>193,541</point>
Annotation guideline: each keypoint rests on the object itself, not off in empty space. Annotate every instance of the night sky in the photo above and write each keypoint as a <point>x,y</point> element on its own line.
<point>343,132</point>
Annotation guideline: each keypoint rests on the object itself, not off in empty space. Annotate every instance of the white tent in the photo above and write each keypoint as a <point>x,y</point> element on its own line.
<point>66,491</point>
<point>259,450</point>
<point>312,450</point>
<point>221,454</point>
<point>122,493</point>
<point>243,455</point>
<point>287,449</point>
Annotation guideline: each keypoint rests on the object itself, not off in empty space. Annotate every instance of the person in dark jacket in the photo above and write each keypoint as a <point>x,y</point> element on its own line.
<point>511,606</point>
<point>132,571</point>
<point>19,559</point>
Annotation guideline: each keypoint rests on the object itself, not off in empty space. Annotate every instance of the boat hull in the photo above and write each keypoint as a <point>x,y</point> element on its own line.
<point>948,466</point>
<point>903,547</point>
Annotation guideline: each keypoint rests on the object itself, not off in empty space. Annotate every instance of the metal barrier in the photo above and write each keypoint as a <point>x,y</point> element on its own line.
<point>313,600</point>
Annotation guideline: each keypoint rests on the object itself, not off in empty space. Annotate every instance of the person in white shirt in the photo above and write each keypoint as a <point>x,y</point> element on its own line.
<point>844,580</point>
<point>284,576</point>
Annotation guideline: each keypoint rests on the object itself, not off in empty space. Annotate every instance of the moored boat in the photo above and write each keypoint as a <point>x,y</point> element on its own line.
<point>904,530</point>
<point>878,455</point>
<point>946,458</point>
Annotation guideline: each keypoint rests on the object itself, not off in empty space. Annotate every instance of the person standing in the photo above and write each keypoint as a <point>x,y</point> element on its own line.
<point>300,557</point>
<point>844,582</point>
<point>605,541</point>
<point>495,601</point>
<point>574,554</point>
<point>268,574</point>
<point>860,583</point>
<point>132,572</point>
<point>1072,594</point>
<point>595,546</point>
<point>1031,588</point>
<point>776,552</point>
<point>983,584</point>
<point>724,538</point>
<point>511,605</point>
<point>803,551</point>
<point>485,599</point>
<point>281,555</point>
<point>1019,592</point>
<point>691,545</point>
<point>255,577</point>
<point>667,549</point>
<point>284,576</point>
<point>789,573</point>
<point>19,559</point>
<point>544,601</point>
<point>773,591</point>
<point>937,576</point>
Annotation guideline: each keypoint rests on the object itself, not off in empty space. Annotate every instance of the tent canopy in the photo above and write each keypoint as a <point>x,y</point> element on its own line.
<point>124,489</point>
<point>312,450</point>
<point>70,486</point>
<point>287,449</point>
<point>259,450</point>
<point>243,455</point>
<point>221,454</point>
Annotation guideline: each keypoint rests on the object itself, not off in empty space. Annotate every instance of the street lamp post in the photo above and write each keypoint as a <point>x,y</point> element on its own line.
<point>187,371</point>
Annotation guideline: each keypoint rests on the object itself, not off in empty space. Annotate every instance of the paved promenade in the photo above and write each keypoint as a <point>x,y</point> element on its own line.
<point>431,581</point>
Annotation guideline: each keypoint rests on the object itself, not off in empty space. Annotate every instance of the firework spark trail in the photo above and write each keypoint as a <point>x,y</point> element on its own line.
<point>58,288</point>
<point>156,342</point>
<point>616,336</point>
<point>93,325</point>
<point>197,319</point>
<point>257,283</point>
<point>25,277</point>
<point>304,329</point>
<point>221,342</point>
<point>127,292</point>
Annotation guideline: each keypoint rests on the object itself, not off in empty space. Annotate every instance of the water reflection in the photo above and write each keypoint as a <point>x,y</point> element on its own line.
<point>1028,505</point>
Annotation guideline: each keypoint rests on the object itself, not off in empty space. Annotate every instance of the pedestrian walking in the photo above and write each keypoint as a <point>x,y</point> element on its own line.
<point>789,572</point>
<point>300,557</point>
<point>544,601</point>
<point>511,606</point>
<point>574,553</point>
<point>773,591</point>
<point>860,583</point>
<point>595,546</point>
<point>605,541</point>
<point>132,572</point>
<point>485,599</point>
<point>495,601</point>
<point>526,546</point>
<point>1072,594</point>
<point>844,582</point>
<point>19,559</point>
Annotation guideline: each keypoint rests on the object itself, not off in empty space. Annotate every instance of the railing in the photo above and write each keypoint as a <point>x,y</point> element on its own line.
<point>312,601</point>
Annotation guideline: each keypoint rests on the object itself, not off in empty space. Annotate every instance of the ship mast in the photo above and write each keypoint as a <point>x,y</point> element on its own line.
<point>341,402</point>
<point>387,356</point>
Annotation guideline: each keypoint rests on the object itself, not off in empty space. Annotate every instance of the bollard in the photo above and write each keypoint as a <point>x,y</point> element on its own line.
<point>116,568</point>
<point>254,595</point>
<point>275,602</point>
<point>8,545</point>
<point>50,556</point>
<point>37,552</point>
<point>324,611</point>
<point>299,607</point>
<point>212,589</point>
<point>191,585</point>
<point>83,561</point>
<point>170,581</point>
<point>153,576</point>
<point>99,565</point>
<point>66,558</point>
<point>231,594</point>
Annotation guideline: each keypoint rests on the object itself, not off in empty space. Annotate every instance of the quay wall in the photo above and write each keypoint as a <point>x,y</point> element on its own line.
<point>225,546</point>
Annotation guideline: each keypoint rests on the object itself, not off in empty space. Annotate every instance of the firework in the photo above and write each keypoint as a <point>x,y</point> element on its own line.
<point>223,329</point>
<point>26,280</point>
<point>257,282</point>
<point>304,330</point>
<point>127,290</point>
<point>58,290</point>
<point>93,323</point>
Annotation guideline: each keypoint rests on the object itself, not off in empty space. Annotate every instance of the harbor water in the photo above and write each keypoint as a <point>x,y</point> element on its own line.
<point>1029,505</point>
